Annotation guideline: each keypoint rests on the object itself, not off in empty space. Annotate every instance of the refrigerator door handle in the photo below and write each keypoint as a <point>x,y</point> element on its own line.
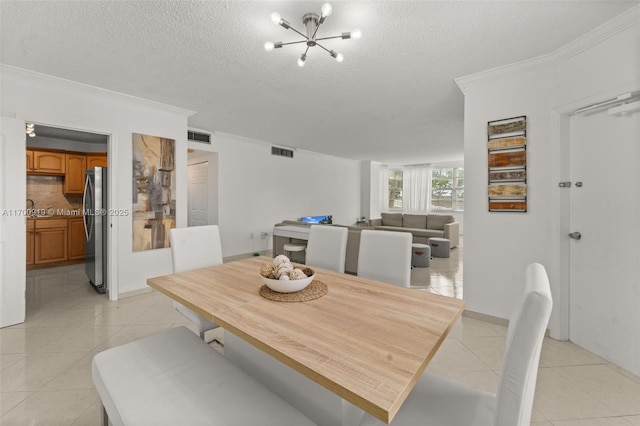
<point>87,186</point>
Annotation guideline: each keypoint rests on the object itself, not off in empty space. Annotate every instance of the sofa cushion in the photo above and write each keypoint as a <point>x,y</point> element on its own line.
<point>437,221</point>
<point>417,221</point>
<point>391,219</point>
<point>426,233</point>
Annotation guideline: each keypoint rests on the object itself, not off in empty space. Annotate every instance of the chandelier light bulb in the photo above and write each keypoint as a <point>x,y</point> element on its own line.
<point>339,57</point>
<point>268,46</point>
<point>326,10</point>
<point>302,60</point>
<point>275,18</point>
<point>356,34</point>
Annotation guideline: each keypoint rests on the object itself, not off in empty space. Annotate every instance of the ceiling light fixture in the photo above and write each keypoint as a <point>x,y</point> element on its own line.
<point>30,129</point>
<point>312,22</point>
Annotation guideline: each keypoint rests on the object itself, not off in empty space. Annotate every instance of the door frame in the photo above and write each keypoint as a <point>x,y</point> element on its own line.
<point>13,236</point>
<point>205,164</point>
<point>196,156</point>
<point>112,194</point>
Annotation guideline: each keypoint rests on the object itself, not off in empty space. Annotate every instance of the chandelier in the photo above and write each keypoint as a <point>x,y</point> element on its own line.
<point>312,22</point>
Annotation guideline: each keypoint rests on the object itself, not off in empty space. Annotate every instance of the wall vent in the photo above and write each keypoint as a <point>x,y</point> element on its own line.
<point>199,137</point>
<point>282,152</point>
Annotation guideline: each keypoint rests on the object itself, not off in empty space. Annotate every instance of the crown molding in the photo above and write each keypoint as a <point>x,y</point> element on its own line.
<point>96,90</point>
<point>609,29</point>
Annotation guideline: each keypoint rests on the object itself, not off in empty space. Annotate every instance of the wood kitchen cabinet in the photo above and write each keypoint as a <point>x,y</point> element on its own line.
<point>76,238</point>
<point>48,162</point>
<point>51,240</point>
<point>29,160</point>
<point>75,164</point>
<point>96,160</point>
<point>31,241</point>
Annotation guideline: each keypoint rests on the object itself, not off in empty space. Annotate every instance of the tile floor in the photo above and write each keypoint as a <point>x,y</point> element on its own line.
<point>45,363</point>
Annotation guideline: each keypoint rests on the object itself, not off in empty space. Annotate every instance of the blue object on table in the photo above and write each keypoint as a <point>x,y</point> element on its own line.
<point>317,219</point>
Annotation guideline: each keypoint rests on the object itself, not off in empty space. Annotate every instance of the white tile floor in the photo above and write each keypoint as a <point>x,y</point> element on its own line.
<point>45,363</point>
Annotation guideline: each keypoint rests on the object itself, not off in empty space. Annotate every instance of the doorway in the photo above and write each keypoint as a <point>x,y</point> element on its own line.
<point>197,194</point>
<point>604,271</point>
<point>57,236</point>
<point>202,189</point>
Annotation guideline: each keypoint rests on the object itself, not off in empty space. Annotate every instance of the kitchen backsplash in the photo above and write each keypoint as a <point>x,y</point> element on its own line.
<point>47,192</point>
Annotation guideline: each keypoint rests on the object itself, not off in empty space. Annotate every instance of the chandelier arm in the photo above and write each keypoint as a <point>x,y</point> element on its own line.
<point>294,42</point>
<point>328,38</point>
<point>305,37</point>
<point>313,37</point>
<point>328,51</point>
<point>307,50</point>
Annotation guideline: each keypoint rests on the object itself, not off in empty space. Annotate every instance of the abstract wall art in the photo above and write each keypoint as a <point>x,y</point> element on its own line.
<point>154,189</point>
<point>507,158</point>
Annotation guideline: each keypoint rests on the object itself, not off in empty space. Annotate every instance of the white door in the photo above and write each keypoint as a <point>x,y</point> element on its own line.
<point>13,195</point>
<point>198,200</point>
<point>604,307</point>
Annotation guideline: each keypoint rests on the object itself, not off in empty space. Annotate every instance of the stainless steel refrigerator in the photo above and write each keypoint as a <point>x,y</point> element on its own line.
<point>95,227</point>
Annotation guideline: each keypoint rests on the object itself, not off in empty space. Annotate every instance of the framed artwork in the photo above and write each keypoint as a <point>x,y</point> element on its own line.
<point>507,161</point>
<point>154,189</point>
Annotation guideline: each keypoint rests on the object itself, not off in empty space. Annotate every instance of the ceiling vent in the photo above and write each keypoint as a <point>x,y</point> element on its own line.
<point>282,152</point>
<point>199,137</point>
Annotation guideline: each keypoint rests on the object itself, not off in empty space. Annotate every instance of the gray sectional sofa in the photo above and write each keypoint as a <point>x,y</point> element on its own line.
<point>442,226</point>
<point>421,226</point>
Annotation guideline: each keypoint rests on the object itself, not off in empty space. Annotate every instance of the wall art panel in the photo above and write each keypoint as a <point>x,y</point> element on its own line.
<point>154,189</point>
<point>507,161</point>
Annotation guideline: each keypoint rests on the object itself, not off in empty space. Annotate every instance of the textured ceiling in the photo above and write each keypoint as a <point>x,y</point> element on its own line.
<point>392,100</point>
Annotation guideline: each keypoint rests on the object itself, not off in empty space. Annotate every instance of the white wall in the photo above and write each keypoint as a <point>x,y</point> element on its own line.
<point>257,190</point>
<point>498,246</point>
<point>50,101</point>
<point>370,203</point>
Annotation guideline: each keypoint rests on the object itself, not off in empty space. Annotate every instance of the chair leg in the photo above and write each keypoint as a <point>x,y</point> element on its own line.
<point>105,417</point>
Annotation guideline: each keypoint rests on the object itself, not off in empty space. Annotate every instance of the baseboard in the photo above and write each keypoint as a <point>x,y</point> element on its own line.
<point>492,319</point>
<point>133,293</point>
<point>486,318</point>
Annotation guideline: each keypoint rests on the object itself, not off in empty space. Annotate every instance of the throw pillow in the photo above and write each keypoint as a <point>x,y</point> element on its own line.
<point>392,219</point>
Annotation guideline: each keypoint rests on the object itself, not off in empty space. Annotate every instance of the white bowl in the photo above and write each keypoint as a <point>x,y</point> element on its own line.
<point>287,286</point>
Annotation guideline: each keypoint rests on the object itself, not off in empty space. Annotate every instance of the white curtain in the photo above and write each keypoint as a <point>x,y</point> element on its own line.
<point>416,188</point>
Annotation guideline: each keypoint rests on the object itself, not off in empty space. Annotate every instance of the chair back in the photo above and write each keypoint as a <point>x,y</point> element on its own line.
<point>385,256</point>
<point>522,352</point>
<point>327,247</point>
<point>195,247</point>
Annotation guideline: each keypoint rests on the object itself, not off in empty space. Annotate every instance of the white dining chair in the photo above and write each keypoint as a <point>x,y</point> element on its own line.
<point>327,247</point>
<point>439,401</point>
<point>192,248</point>
<point>385,256</point>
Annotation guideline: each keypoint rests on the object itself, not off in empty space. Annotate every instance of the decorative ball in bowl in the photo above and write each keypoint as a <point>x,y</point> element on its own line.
<point>284,277</point>
<point>287,286</point>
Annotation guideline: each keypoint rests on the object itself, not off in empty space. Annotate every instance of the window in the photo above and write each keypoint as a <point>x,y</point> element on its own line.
<point>395,189</point>
<point>447,189</point>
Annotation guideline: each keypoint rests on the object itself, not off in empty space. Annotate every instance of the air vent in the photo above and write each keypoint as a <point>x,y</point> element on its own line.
<point>199,137</point>
<point>282,152</point>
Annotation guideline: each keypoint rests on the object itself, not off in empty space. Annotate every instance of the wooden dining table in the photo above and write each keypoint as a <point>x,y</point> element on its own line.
<point>364,341</point>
